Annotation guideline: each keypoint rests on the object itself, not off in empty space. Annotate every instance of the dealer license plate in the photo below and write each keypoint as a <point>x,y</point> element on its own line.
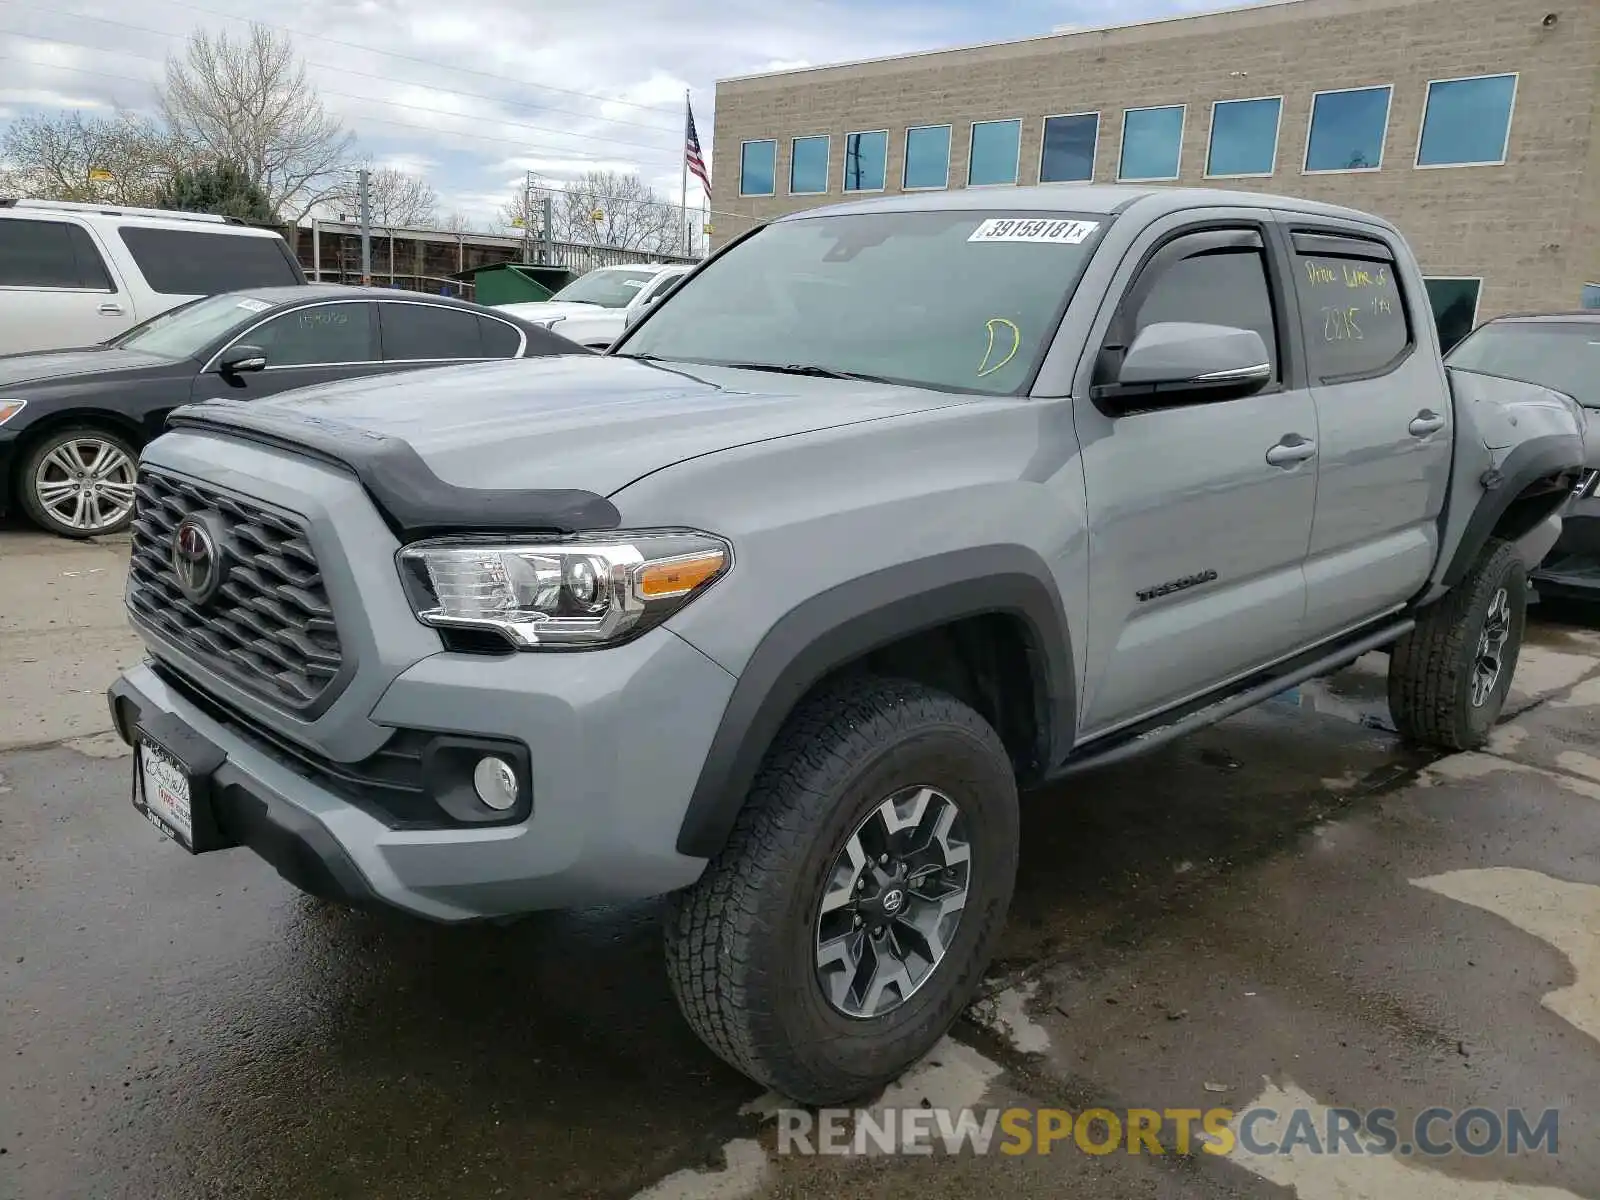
<point>164,787</point>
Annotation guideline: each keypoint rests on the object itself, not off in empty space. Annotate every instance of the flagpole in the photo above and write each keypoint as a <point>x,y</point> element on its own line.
<point>683,192</point>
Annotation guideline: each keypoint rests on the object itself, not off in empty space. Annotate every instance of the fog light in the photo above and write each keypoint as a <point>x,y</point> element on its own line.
<point>495,782</point>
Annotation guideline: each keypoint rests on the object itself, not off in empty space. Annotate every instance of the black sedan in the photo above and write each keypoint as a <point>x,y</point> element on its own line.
<point>1559,351</point>
<point>72,422</point>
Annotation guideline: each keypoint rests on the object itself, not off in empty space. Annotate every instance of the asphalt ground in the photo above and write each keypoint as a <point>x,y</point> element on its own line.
<point>1290,911</point>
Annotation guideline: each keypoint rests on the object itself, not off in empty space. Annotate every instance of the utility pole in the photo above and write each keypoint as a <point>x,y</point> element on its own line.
<point>549,255</point>
<point>366,230</point>
<point>527,219</point>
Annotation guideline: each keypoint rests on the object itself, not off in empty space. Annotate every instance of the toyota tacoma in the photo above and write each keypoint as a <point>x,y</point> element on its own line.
<point>888,510</point>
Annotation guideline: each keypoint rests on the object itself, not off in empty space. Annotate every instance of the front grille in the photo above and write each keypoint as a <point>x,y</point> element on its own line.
<point>270,628</point>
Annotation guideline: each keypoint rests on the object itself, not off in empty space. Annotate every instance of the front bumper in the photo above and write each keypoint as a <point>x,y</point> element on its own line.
<point>615,737</point>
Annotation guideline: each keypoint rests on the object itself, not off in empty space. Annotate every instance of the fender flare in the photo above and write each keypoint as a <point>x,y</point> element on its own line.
<point>1538,458</point>
<point>838,626</point>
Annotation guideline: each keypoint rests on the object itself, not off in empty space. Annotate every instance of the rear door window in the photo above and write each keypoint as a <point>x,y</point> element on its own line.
<point>1352,313</point>
<point>420,332</point>
<point>50,254</point>
<point>192,262</point>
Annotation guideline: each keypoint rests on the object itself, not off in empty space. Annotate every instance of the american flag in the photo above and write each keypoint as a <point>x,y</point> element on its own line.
<point>691,151</point>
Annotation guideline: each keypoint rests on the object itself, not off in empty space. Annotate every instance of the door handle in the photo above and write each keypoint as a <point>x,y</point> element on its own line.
<point>1427,421</point>
<point>111,310</point>
<point>1291,450</point>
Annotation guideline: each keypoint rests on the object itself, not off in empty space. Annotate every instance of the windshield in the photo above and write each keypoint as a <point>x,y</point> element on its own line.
<point>186,331</point>
<point>953,299</point>
<point>1560,355</point>
<point>610,287</point>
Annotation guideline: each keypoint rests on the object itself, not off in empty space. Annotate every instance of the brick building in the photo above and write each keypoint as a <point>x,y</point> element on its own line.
<point>1473,124</point>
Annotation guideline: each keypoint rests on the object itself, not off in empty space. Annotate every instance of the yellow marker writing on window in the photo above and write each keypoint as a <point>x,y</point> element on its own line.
<point>1016,344</point>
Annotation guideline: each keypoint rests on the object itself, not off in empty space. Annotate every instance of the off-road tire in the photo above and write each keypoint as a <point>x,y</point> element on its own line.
<point>28,497</point>
<point>740,943</point>
<point>1431,668</point>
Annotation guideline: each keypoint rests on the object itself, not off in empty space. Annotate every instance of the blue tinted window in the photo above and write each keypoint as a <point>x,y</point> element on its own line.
<point>1244,137</point>
<point>1591,295</point>
<point>927,157</point>
<point>1152,143</point>
<point>808,165</point>
<point>995,145</point>
<point>758,164</point>
<point>1067,155</point>
<point>865,159</point>
<point>1467,121</point>
<point>1347,130</point>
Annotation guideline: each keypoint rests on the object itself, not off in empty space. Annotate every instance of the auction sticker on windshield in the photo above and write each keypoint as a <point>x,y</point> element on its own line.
<point>1018,229</point>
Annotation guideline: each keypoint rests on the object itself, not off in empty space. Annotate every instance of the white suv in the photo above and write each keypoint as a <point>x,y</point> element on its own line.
<point>77,274</point>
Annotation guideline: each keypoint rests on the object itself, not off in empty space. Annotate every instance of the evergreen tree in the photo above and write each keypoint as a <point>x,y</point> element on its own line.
<point>220,188</point>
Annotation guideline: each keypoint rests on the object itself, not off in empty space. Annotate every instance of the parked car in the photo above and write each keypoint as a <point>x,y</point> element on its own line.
<point>76,274</point>
<point>1560,351</point>
<point>595,308</point>
<point>72,422</point>
<point>775,605</point>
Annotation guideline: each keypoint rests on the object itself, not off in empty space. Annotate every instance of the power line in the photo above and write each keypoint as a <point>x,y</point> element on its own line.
<point>408,57</point>
<point>522,145</point>
<point>325,91</point>
<point>339,68</point>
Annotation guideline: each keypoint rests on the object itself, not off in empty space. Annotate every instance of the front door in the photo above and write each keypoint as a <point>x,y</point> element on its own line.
<point>319,343</point>
<point>1383,408</point>
<point>56,288</point>
<point>1197,540</point>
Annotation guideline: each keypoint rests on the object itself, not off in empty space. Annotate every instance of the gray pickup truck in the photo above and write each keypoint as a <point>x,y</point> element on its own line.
<point>890,509</point>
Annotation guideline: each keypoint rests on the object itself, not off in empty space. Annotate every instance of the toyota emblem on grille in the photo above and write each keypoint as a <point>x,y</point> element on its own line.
<point>197,557</point>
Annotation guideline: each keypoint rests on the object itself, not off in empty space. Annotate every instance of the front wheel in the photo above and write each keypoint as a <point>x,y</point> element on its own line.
<point>1449,677</point>
<point>849,919</point>
<point>79,483</point>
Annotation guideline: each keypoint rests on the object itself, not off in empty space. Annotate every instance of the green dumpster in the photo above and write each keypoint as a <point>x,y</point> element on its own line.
<point>515,283</point>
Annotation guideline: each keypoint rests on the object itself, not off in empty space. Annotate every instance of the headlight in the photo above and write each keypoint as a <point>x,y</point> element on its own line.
<point>583,591</point>
<point>10,408</point>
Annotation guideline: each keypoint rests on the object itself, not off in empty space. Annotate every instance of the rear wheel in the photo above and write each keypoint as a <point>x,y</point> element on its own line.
<point>1449,677</point>
<point>849,919</point>
<point>79,482</point>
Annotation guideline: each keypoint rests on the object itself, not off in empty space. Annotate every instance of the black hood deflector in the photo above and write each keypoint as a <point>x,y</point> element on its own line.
<point>414,501</point>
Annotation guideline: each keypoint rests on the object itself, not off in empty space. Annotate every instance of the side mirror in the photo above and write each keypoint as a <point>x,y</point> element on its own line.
<point>239,360</point>
<point>635,314</point>
<point>1183,362</point>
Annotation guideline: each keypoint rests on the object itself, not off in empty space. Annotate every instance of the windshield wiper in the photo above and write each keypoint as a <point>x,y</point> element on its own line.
<point>811,369</point>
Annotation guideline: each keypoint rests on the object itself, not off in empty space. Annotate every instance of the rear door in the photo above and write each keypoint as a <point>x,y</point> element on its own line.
<point>316,343</point>
<point>1384,423</point>
<point>1197,541</point>
<point>56,289</point>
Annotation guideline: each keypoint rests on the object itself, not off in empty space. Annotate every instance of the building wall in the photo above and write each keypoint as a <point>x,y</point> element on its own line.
<point>1529,228</point>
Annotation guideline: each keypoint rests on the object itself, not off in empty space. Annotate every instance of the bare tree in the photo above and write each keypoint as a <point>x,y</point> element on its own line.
<point>125,159</point>
<point>610,208</point>
<point>249,101</point>
<point>457,222</point>
<point>395,199</point>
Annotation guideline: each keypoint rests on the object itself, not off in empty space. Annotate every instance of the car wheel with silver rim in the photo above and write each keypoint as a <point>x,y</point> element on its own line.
<point>848,920</point>
<point>1450,676</point>
<point>80,482</point>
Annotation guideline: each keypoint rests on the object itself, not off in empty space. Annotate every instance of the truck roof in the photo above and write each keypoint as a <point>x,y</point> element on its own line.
<point>1094,198</point>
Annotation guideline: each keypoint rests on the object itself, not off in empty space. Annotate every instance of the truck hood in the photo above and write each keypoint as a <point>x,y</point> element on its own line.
<point>584,422</point>
<point>41,366</point>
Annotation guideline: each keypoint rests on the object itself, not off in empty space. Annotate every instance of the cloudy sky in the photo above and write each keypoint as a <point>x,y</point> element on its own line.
<point>473,94</point>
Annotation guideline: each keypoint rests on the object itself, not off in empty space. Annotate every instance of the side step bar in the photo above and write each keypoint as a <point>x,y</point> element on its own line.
<point>1142,739</point>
